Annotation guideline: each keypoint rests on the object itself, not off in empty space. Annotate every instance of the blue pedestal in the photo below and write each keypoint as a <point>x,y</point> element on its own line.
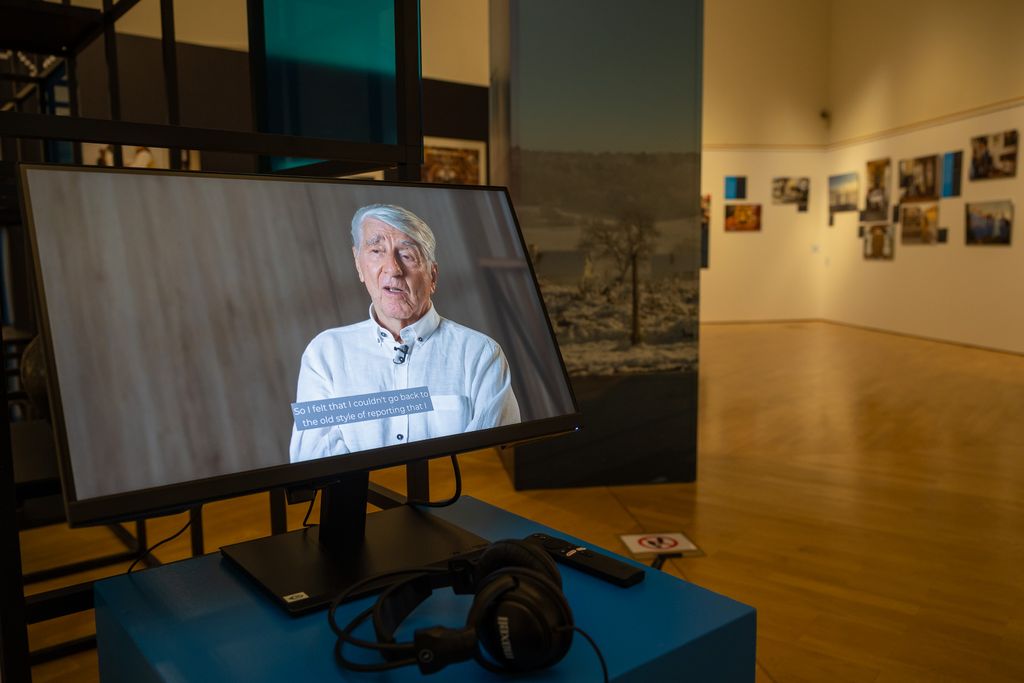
<point>201,619</point>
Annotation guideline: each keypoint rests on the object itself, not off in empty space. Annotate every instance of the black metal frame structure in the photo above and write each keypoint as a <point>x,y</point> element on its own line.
<point>64,30</point>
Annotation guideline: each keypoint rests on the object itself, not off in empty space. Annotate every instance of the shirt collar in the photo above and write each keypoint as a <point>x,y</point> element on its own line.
<point>419,331</point>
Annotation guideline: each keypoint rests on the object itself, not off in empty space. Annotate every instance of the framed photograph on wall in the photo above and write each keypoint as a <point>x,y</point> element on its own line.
<point>989,222</point>
<point>878,176</point>
<point>919,223</point>
<point>791,191</point>
<point>879,241</point>
<point>742,217</point>
<point>735,187</point>
<point>919,179</point>
<point>842,192</point>
<point>994,156</point>
<point>454,161</point>
<point>952,165</point>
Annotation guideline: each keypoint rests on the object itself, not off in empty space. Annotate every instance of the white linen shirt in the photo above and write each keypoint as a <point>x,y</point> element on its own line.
<point>465,372</point>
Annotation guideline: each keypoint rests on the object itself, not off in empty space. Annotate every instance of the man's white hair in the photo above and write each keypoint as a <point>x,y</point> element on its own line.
<point>400,219</point>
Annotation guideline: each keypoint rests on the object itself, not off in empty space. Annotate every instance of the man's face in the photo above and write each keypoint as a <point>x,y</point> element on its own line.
<point>396,273</point>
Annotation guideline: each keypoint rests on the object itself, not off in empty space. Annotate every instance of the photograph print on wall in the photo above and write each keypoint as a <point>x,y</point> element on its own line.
<point>919,179</point>
<point>952,166</point>
<point>453,161</point>
<point>994,156</point>
<point>791,191</point>
<point>989,222</point>
<point>735,187</point>
<point>878,241</point>
<point>843,191</point>
<point>919,223</point>
<point>876,198</point>
<point>742,217</point>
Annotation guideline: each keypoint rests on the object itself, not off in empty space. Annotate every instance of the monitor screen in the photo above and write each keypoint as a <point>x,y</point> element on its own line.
<point>213,335</point>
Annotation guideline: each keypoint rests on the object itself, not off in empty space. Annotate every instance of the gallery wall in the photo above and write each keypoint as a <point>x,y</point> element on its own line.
<point>954,291</point>
<point>774,273</point>
<point>799,267</point>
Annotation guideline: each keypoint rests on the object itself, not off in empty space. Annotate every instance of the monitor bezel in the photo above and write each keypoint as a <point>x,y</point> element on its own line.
<point>179,496</point>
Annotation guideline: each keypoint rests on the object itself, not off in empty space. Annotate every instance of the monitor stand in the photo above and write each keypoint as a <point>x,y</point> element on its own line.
<point>306,569</point>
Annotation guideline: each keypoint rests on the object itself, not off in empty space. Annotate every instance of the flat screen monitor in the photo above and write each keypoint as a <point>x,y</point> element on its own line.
<point>211,335</point>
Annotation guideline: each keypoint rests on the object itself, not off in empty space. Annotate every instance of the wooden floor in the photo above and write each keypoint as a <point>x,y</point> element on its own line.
<point>864,491</point>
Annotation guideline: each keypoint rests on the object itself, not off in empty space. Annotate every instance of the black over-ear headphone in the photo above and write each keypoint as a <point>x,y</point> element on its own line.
<point>520,620</point>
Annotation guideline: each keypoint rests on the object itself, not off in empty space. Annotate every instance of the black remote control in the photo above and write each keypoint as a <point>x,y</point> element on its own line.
<point>586,560</point>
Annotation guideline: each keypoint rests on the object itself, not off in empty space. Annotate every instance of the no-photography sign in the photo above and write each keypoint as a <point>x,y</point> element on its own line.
<point>659,543</point>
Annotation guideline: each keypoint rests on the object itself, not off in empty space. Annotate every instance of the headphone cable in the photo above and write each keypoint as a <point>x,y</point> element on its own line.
<point>344,635</point>
<point>455,496</point>
<point>423,503</point>
<point>597,650</point>
<point>309,510</point>
<point>150,549</point>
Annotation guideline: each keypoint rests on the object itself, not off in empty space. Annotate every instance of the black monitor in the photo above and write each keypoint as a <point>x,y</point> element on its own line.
<point>209,336</point>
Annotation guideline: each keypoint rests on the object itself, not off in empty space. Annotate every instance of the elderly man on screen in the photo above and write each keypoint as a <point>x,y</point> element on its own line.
<point>404,344</point>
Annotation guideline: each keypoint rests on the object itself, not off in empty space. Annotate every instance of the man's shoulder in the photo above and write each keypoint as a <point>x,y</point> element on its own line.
<point>338,335</point>
<point>466,335</point>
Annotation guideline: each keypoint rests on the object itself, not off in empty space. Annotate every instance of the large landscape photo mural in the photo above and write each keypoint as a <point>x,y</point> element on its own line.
<point>610,209</point>
<point>618,271</point>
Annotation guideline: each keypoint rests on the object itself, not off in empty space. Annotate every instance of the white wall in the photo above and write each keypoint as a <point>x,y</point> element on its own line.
<point>877,66</point>
<point>898,64</point>
<point>765,72</point>
<point>455,40</point>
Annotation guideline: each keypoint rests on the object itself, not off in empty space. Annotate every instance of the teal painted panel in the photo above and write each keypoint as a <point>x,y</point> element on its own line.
<point>330,70</point>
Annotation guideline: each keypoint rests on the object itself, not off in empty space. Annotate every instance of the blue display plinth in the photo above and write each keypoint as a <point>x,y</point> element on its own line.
<point>201,619</point>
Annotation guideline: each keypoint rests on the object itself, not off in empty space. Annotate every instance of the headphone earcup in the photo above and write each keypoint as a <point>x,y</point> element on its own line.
<point>514,553</point>
<point>522,619</point>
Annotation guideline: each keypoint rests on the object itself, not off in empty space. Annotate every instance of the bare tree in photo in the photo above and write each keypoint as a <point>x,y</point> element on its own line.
<point>626,243</point>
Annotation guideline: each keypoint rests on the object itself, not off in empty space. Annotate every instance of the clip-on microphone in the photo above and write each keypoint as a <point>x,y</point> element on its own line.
<point>400,353</point>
